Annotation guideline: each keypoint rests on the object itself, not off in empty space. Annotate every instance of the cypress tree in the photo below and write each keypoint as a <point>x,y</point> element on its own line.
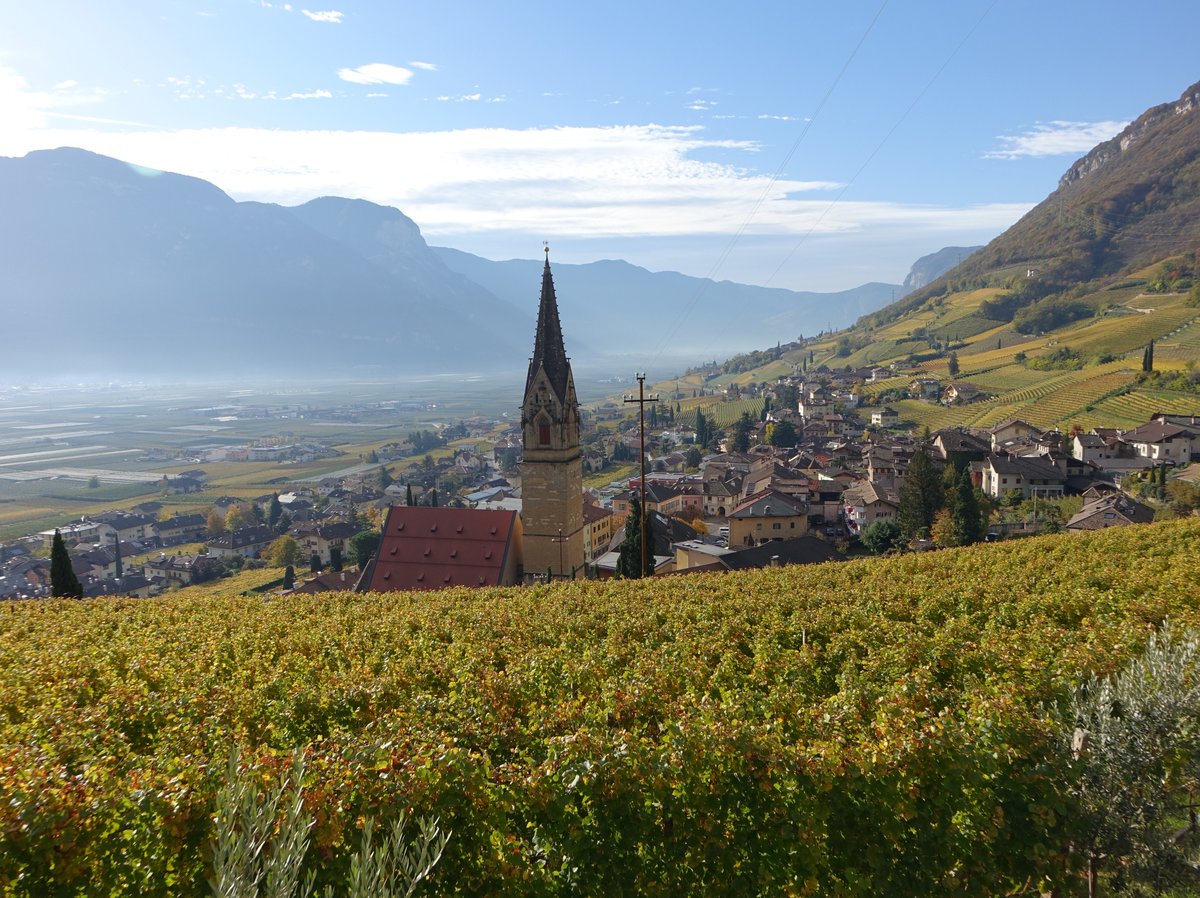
<point>408,496</point>
<point>289,577</point>
<point>964,514</point>
<point>275,510</point>
<point>335,558</point>
<point>63,581</point>
<point>314,563</point>
<point>629,560</point>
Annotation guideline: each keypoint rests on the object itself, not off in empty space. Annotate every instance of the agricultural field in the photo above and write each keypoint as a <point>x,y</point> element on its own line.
<point>890,727</point>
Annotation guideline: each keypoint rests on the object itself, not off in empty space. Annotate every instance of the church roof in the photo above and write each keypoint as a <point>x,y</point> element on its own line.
<point>548,350</point>
<point>431,548</point>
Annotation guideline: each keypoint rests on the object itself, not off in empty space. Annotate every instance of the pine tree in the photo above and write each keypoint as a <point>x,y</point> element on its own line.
<point>921,495</point>
<point>63,581</point>
<point>629,560</point>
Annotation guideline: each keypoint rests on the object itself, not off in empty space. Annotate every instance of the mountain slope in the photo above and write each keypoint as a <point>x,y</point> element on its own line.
<point>1131,201</point>
<point>1052,321</point>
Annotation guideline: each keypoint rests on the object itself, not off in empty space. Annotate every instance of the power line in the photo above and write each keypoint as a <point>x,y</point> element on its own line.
<point>723,257</point>
<point>886,137</point>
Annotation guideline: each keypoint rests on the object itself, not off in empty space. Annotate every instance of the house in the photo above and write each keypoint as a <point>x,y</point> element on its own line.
<point>78,532</point>
<point>597,530</point>
<point>768,515</point>
<point>178,569</point>
<point>924,388</point>
<point>182,528</point>
<point>961,393</point>
<point>1012,431</point>
<point>321,538</point>
<point>248,542</point>
<point>1031,476</point>
<point>885,417</point>
<point>1161,441</point>
<point>1091,448</point>
<point>720,495</point>
<point>696,553</point>
<point>958,446</point>
<point>865,502</point>
<point>433,548</point>
<point>126,526</point>
<point>1112,510</point>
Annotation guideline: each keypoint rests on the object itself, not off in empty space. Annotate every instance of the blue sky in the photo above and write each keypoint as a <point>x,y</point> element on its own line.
<point>810,145</point>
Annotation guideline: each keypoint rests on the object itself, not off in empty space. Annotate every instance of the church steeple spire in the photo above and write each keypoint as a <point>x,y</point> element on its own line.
<point>548,349</point>
<point>551,464</point>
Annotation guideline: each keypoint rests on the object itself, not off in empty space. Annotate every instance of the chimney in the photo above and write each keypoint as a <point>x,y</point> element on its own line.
<point>775,562</point>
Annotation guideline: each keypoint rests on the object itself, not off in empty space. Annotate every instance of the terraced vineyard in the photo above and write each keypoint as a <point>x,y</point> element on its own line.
<point>1119,334</point>
<point>719,735</point>
<point>1137,407</point>
<point>726,414</point>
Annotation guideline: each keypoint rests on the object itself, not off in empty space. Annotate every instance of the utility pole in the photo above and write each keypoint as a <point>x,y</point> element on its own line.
<point>641,400</point>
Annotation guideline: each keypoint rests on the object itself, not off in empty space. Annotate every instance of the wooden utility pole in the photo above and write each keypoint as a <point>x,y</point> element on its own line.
<point>641,399</point>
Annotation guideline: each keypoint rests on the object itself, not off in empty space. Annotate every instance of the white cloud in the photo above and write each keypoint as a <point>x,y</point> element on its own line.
<point>424,66</point>
<point>576,182</point>
<point>332,16</point>
<point>311,95</point>
<point>778,118</point>
<point>461,98</point>
<point>1055,138</point>
<point>376,73</point>
<point>376,94</point>
<point>66,85</point>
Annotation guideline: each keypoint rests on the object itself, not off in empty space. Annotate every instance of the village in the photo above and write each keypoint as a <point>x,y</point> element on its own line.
<point>808,479</point>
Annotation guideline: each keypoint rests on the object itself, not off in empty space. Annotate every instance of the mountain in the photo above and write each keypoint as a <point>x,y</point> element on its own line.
<point>124,271</point>
<point>615,308</point>
<point>929,268</point>
<point>1131,201</point>
<point>1084,313</point>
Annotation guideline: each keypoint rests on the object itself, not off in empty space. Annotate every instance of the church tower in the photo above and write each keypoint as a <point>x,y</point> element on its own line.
<point>551,466</point>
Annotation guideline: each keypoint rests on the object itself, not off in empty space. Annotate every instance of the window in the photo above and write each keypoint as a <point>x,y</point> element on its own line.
<point>776,526</point>
<point>543,434</point>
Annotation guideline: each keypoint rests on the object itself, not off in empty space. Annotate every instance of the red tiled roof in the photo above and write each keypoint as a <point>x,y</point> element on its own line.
<point>433,548</point>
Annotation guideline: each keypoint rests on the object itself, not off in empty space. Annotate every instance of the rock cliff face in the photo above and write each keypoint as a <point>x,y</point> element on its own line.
<point>1112,149</point>
<point>929,268</point>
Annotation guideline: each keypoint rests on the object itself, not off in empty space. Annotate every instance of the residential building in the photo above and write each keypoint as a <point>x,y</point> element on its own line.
<point>1030,476</point>
<point>1112,510</point>
<point>769,515</point>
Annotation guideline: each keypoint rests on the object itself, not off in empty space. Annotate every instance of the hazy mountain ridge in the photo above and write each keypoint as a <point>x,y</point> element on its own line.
<point>675,314</point>
<point>144,273</point>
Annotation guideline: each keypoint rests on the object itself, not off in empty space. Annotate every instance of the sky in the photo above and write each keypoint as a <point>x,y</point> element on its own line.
<point>808,145</point>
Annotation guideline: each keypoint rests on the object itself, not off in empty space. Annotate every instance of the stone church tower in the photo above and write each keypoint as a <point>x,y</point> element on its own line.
<point>551,466</point>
